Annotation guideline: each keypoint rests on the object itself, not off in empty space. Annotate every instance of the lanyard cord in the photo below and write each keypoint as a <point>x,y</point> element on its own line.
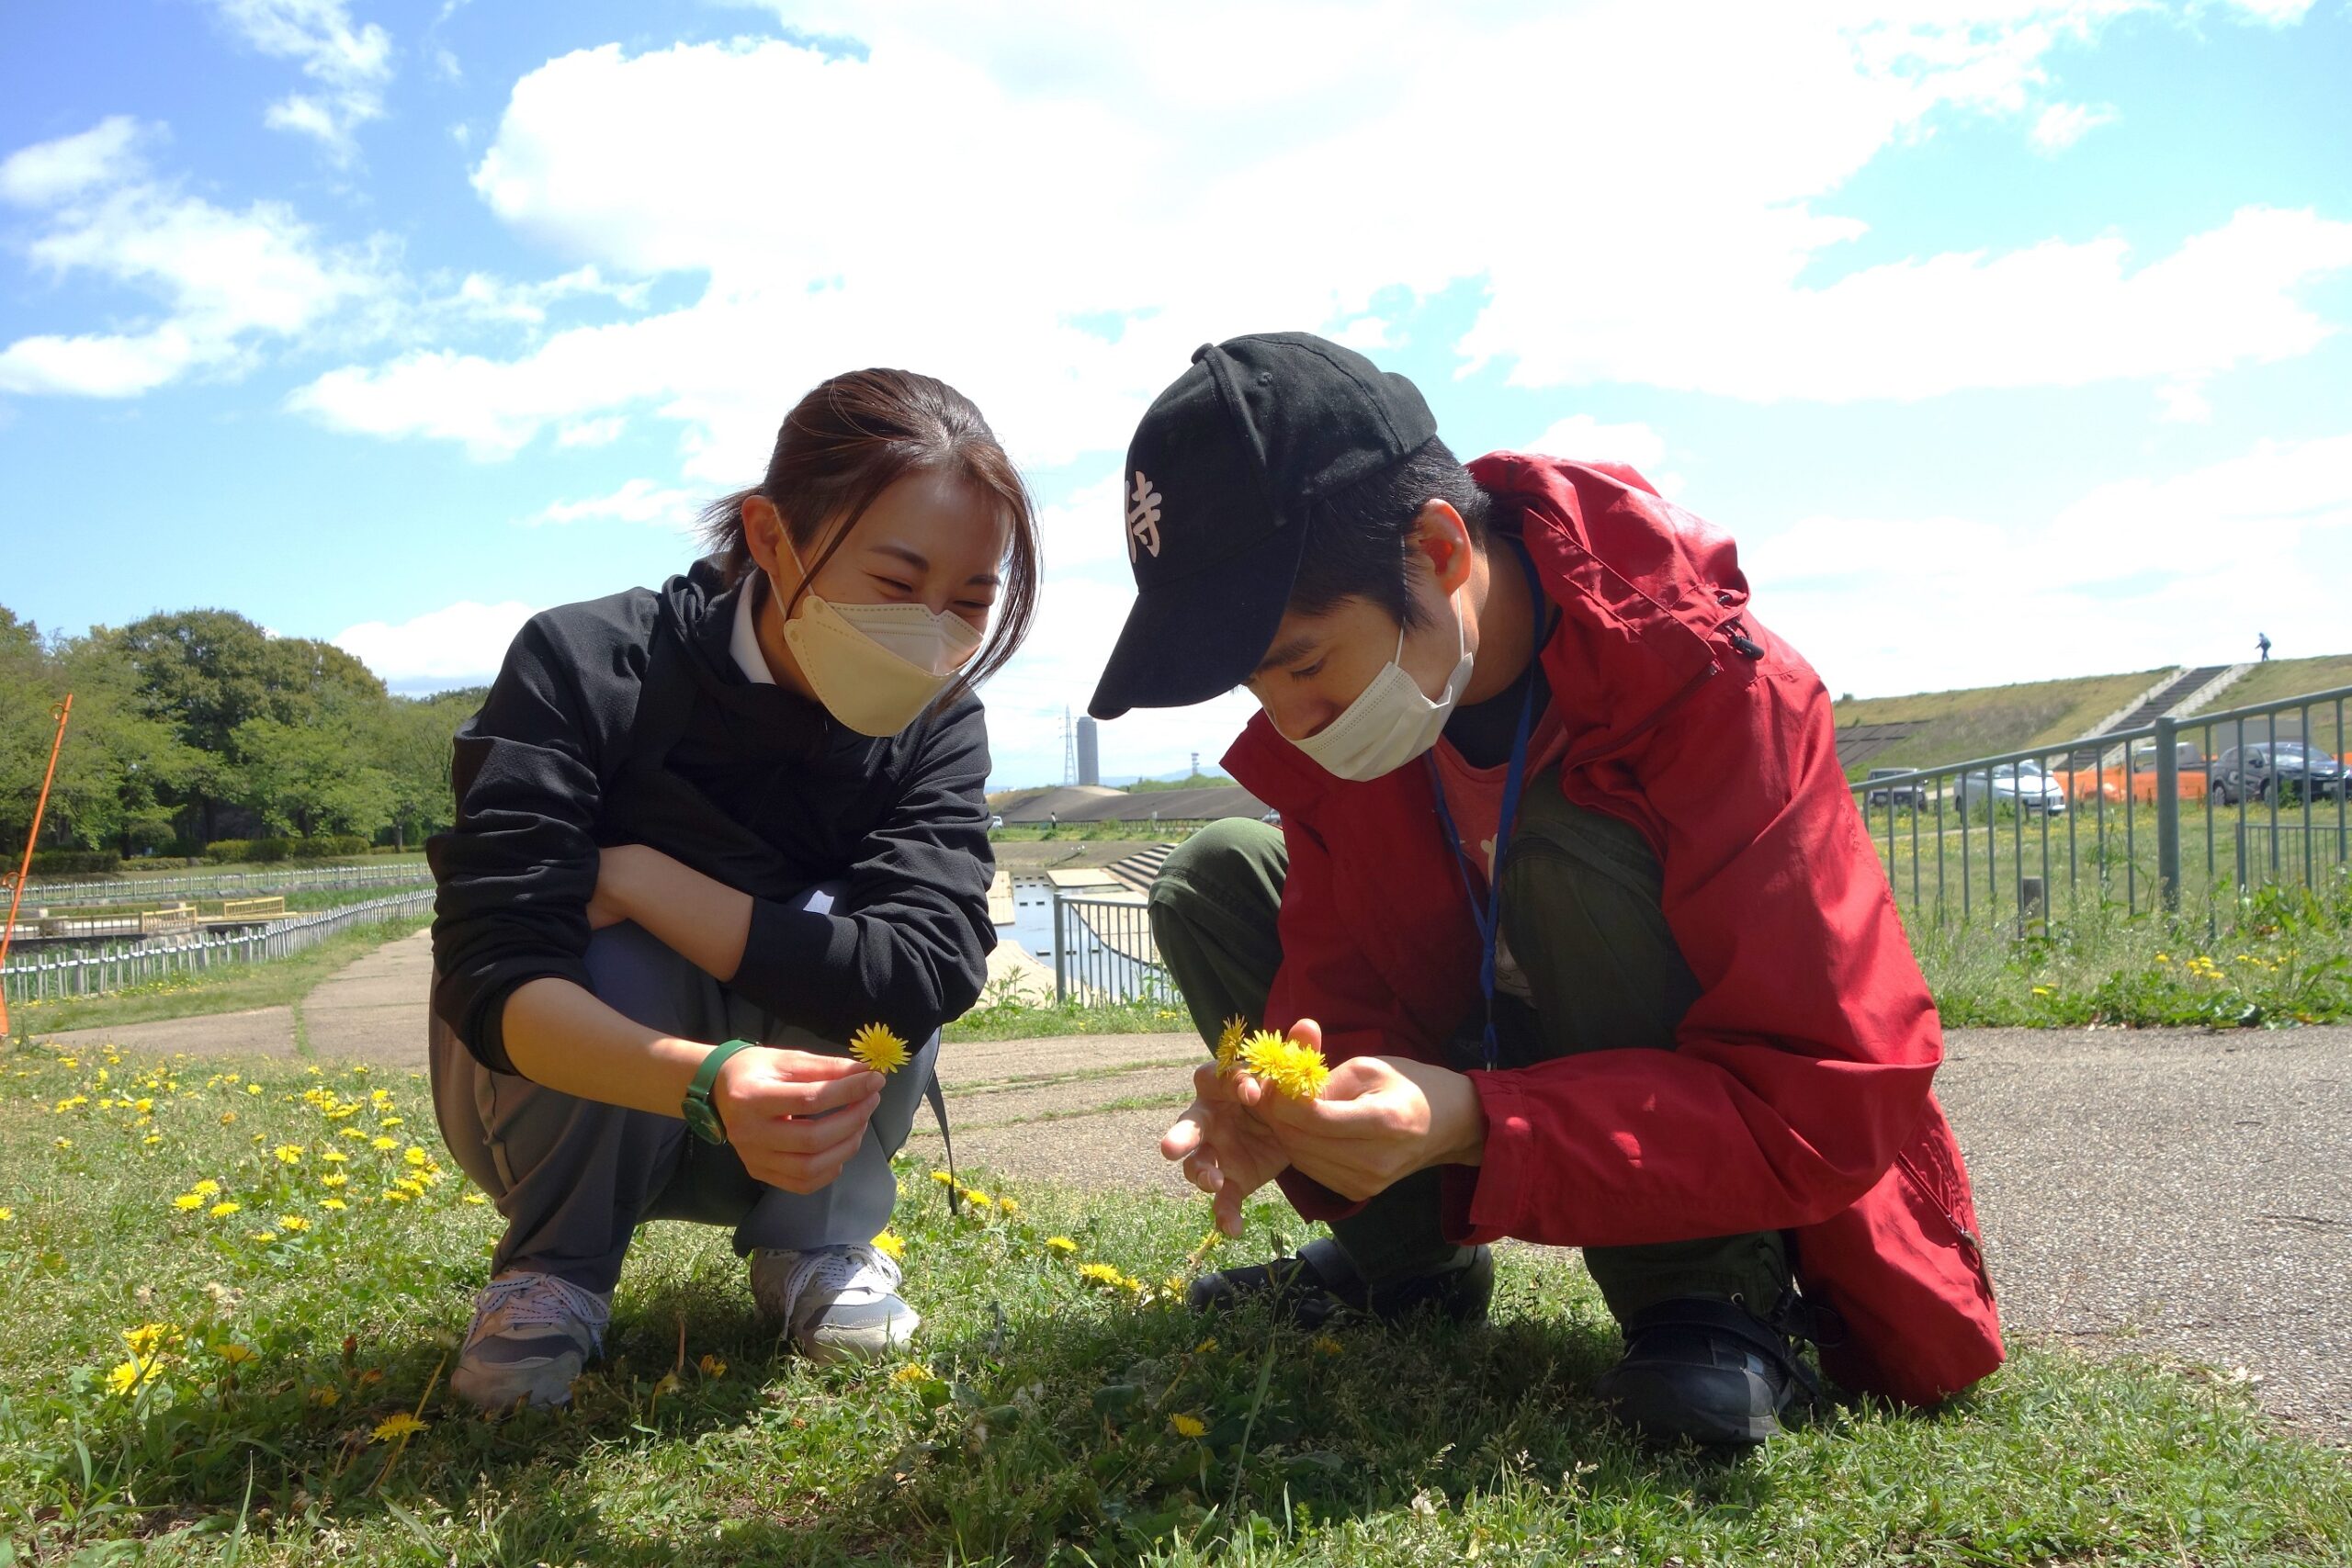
<point>1489,920</point>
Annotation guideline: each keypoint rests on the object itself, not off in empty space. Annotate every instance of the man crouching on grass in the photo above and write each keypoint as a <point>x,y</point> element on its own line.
<point>1568,886</point>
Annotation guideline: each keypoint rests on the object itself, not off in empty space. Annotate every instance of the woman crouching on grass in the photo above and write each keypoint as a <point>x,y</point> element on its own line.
<point>703,835</point>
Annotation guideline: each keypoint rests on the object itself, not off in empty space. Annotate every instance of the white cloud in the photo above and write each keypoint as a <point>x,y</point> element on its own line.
<point>1678,257</point>
<point>1587,439</point>
<point>460,645</point>
<point>489,299</point>
<point>2182,401</point>
<point>2134,575</point>
<point>351,64</point>
<point>227,280</point>
<point>591,432</point>
<point>2274,13</point>
<point>639,501</point>
<point>2062,125</point>
<point>50,172</point>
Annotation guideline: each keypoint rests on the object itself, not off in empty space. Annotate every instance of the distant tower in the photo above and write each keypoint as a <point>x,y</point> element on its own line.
<point>1070,748</point>
<point>1196,766</point>
<point>1090,755</point>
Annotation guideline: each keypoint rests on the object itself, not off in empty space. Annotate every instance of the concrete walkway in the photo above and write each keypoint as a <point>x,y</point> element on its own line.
<point>2164,1191</point>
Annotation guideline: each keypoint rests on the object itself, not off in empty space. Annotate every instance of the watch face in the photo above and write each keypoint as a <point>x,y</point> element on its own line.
<point>703,1122</point>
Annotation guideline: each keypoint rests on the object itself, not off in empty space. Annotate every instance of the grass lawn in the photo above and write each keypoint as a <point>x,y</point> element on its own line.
<point>187,1383</point>
<point>235,988</point>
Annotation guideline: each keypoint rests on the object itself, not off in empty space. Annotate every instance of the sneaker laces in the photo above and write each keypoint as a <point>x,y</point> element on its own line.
<point>542,1300</point>
<point>853,1272</point>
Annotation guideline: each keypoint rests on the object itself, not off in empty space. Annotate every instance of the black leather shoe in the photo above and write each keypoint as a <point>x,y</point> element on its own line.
<point>1320,1284</point>
<point>1706,1369</point>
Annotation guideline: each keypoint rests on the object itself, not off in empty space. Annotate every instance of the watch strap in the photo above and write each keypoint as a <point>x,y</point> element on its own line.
<point>701,1116</point>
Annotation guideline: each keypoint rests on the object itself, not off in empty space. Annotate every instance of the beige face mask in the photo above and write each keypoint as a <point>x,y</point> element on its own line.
<point>876,667</point>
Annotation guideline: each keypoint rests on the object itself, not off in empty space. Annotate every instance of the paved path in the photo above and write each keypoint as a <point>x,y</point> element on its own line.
<point>2161,1190</point>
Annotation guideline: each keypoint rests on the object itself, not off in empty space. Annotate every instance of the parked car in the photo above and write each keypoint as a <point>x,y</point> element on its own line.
<point>996,820</point>
<point>2290,767</point>
<point>1913,795</point>
<point>2021,785</point>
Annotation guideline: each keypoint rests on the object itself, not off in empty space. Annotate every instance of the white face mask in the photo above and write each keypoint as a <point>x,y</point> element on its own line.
<point>1392,722</point>
<point>875,667</point>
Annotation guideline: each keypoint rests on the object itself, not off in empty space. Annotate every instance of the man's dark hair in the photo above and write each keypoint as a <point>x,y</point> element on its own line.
<point>1356,537</point>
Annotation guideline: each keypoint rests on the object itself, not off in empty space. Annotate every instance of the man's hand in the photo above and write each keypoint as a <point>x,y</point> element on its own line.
<point>794,1117</point>
<point>1228,1152</point>
<point>1380,1119</point>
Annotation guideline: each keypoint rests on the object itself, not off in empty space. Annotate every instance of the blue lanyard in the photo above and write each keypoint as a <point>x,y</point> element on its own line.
<point>1489,919</point>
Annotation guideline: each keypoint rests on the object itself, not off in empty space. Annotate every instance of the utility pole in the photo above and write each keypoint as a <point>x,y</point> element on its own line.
<point>64,711</point>
<point>1070,747</point>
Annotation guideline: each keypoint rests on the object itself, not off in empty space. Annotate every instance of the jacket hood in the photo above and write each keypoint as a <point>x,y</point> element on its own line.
<point>1649,596</point>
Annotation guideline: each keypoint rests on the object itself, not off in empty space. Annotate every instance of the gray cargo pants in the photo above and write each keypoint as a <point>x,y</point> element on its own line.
<point>575,1178</point>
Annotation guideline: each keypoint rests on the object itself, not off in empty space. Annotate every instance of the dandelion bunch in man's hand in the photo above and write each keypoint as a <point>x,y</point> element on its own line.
<point>1292,1068</point>
<point>878,1048</point>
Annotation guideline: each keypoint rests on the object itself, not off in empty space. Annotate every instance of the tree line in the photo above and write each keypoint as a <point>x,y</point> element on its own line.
<point>197,725</point>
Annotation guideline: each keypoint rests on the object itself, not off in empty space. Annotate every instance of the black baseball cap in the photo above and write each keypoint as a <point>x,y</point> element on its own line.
<point>1220,475</point>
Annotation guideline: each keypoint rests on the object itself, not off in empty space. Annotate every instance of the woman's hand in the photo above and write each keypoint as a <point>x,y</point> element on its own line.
<point>1380,1119</point>
<point>1227,1153</point>
<point>794,1117</point>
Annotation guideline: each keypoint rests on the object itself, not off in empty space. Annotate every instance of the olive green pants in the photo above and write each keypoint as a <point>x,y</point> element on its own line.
<point>1580,914</point>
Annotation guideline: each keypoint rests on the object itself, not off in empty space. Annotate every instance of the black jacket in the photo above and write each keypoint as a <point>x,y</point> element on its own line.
<point>625,721</point>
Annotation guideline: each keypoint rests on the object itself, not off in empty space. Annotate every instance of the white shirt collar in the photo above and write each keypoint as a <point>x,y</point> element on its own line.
<point>745,643</point>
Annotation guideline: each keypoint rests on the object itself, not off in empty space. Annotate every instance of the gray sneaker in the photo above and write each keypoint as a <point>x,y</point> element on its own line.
<point>839,1304</point>
<point>531,1334</point>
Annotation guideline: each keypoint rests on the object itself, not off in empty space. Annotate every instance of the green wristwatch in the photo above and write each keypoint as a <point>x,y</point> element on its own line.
<point>702,1116</point>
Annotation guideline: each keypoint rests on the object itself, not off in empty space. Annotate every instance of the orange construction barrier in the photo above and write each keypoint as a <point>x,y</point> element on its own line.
<point>64,711</point>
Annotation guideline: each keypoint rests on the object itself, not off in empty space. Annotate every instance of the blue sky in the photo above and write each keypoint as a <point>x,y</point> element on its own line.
<point>2004,334</point>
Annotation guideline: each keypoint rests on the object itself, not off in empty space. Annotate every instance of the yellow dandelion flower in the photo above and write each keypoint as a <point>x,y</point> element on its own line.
<point>64,1142</point>
<point>711,1367</point>
<point>943,1177</point>
<point>1229,1046</point>
<point>398,1194</point>
<point>476,1197</point>
<point>977,1199</point>
<point>1185,1426</point>
<point>335,1204</point>
<point>142,1106</point>
<point>228,1118</point>
<point>1206,1346</point>
<point>150,1338</point>
<point>295,1222</point>
<point>381,1143</point>
<point>1101,1274</point>
<point>326,1396</point>
<point>334,1178</point>
<point>1012,1210</point>
<point>264,1237</point>
<point>1323,1345</point>
<point>401,1424</point>
<point>252,1089</point>
<point>349,1132</point>
<point>335,1156</point>
<point>236,1354</point>
<point>225,1208</point>
<point>1060,1244</point>
<point>289,1153</point>
<point>388,1121</point>
<point>1289,1068</point>
<point>208,1187</point>
<point>189,1200</point>
<point>878,1048</point>
<point>913,1372</point>
<point>889,1244</point>
<point>416,1156</point>
<point>127,1376</point>
<point>7,1214</point>
<point>151,1139</point>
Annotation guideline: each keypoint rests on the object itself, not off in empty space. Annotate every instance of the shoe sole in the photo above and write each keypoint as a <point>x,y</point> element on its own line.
<point>1663,1414</point>
<point>503,1387</point>
<point>829,1346</point>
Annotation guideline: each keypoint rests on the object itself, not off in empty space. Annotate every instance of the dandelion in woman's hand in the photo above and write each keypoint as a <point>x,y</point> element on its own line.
<point>879,1049</point>
<point>1292,1068</point>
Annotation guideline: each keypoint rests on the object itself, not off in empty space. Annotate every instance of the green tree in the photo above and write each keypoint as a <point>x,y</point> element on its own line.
<point>310,778</point>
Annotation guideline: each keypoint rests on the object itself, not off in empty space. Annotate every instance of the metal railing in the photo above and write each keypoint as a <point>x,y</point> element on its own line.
<point>1103,950</point>
<point>2020,838</point>
<point>224,885</point>
<point>35,979</point>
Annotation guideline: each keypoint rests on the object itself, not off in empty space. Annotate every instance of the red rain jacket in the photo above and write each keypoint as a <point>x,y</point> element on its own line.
<point>1797,1098</point>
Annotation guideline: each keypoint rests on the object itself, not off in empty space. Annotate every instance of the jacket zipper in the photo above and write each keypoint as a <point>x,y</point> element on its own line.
<point>1968,1238</point>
